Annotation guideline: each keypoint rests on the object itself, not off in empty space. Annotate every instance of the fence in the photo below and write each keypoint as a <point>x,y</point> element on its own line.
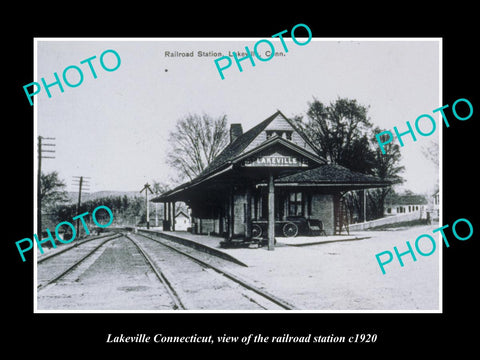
<point>415,215</point>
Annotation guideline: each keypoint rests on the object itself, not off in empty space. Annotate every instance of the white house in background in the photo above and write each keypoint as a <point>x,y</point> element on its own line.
<point>182,221</point>
<point>404,204</point>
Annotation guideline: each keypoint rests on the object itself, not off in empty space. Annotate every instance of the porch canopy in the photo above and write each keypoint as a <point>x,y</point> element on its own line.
<point>276,157</point>
<point>333,177</point>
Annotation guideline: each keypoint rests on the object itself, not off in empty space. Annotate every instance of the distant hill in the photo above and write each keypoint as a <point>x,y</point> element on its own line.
<point>73,195</point>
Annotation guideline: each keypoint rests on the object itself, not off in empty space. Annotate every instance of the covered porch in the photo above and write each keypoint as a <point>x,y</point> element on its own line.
<point>228,200</point>
<point>276,190</point>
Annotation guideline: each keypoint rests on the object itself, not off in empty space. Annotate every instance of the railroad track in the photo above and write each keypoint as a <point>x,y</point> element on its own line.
<point>63,249</point>
<point>87,252</point>
<point>79,253</point>
<point>165,253</point>
<point>103,274</point>
<point>178,304</point>
<point>169,277</point>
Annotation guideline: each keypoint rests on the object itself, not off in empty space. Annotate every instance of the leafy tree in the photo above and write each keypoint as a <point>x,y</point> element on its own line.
<point>386,167</point>
<point>124,202</point>
<point>126,210</point>
<point>52,190</point>
<point>196,141</point>
<point>344,135</point>
<point>339,130</point>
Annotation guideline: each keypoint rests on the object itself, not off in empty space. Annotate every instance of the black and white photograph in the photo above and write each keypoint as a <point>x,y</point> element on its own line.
<point>267,190</point>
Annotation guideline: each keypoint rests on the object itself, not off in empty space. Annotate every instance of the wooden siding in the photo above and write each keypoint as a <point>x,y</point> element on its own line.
<point>279,123</point>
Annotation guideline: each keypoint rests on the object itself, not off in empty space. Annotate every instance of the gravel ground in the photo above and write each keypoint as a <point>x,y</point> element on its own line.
<point>115,278</point>
<point>332,276</point>
<point>200,288</point>
<point>346,276</point>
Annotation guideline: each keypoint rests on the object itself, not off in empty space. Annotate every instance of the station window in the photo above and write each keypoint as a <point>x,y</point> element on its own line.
<point>295,204</point>
<point>286,134</point>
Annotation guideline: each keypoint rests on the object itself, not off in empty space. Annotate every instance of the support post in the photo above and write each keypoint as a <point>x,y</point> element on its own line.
<point>173,216</point>
<point>169,220</point>
<point>164,223</point>
<point>248,213</point>
<point>271,212</point>
<point>220,223</point>
<point>231,215</point>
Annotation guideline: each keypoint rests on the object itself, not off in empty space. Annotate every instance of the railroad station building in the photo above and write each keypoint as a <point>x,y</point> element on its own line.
<point>269,181</point>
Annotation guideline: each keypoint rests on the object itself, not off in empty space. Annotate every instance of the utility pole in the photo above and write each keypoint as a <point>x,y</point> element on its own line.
<point>146,188</point>
<point>39,177</point>
<point>78,180</point>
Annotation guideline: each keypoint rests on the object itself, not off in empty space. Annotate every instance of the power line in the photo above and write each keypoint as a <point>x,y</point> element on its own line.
<point>42,141</point>
<point>81,186</point>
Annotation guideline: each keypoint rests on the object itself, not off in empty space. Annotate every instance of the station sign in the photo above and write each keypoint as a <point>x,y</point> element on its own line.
<point>276,160</point>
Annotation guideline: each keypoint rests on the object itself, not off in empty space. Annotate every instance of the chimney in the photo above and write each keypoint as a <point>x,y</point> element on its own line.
<point>236,130</point>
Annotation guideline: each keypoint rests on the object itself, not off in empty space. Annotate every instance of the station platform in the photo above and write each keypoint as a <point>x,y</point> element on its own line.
<point>315,240</point>
<point>243,255</point>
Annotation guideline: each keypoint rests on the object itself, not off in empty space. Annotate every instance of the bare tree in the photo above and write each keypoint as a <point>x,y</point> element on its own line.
<point>431,152</point>
<point>195,142</point>
<point>159,187</point>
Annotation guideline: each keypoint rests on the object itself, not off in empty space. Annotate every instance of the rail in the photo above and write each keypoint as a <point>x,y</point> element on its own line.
<point>272,298</point>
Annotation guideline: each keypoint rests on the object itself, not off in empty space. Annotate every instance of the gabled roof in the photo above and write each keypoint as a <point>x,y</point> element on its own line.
<point>232,161</point>
<point>279,141</point>
<point>236,148</point>
<point>181,212</point>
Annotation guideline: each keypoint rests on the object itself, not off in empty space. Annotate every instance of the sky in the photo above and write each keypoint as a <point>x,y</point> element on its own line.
<point>114,129</point>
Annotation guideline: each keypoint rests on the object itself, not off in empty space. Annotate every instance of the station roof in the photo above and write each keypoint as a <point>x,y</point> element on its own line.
<point>332,174</point>
<point>239,145</point>
<point>224,170</point>
<point>323,174</point>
